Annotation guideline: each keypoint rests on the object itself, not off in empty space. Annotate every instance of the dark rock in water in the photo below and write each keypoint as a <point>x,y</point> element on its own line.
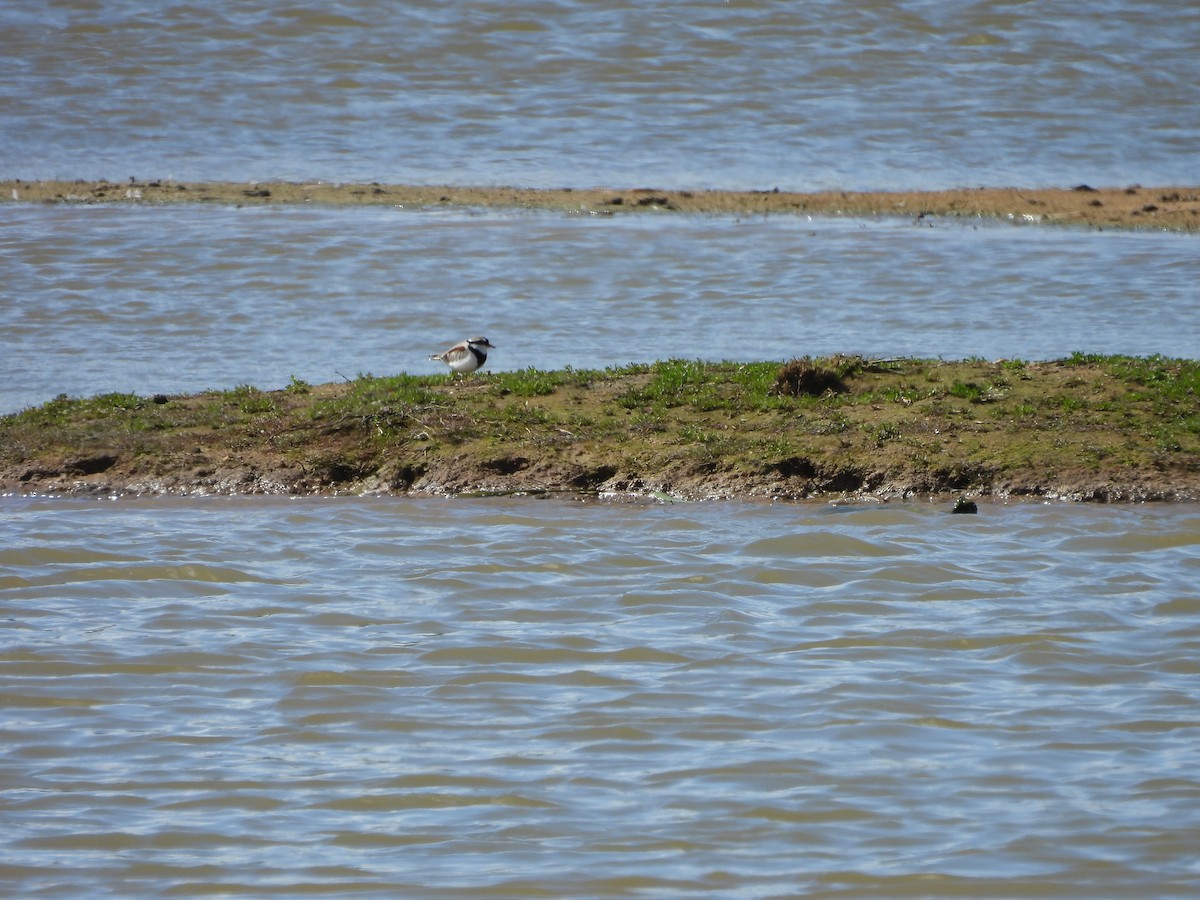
<point>965,506</point>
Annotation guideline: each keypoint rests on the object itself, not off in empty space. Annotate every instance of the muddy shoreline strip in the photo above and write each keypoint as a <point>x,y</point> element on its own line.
<point>1095,428</point>
<point>1171,208</point>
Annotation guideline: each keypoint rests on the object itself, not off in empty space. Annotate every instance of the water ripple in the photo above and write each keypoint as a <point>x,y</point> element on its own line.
<point>735,94</point>
<point>94,301</point>
<point>709,699</point>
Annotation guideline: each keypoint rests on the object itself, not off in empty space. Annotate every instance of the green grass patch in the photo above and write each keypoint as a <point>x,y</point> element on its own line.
<point>251,400</point>
<point>652,420</point>
<point>965,390</point>
<point>537,382</point>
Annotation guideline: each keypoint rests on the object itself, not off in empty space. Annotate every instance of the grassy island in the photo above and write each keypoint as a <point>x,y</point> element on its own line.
<point>1106,428</point>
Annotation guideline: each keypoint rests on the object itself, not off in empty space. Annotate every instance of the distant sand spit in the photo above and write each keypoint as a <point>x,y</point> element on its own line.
<point>1136,207</point>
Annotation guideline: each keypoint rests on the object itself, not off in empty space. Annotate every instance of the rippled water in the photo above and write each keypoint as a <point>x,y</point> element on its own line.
<point>390,697</point>
<point>427,698</point>
<point>721,93</point>
<point>190,298</point>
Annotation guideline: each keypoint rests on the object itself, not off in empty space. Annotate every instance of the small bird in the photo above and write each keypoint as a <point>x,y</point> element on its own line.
<point>466,356</point>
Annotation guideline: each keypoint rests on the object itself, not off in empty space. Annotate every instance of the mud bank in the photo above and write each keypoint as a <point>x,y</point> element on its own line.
<point>1084,428</point>
<point>1171,208</point>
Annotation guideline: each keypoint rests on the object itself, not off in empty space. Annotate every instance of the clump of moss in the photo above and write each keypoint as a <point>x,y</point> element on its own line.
<point>803,377</point>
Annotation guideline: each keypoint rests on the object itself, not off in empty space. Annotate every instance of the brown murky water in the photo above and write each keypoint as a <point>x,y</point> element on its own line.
<point>432,698</point>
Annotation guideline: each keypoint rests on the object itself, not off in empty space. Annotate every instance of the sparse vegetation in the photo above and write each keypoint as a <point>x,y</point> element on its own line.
<point>1088,425</point>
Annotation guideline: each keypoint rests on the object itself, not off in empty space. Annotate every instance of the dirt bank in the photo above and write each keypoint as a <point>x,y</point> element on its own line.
<point>1088,428</point>
<point>1162,208</point>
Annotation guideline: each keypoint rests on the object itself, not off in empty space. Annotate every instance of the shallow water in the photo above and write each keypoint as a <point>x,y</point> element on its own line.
<point>428,698</point>
<point>732,94</point>
<point>395,697</point>
<point>191,298</point>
